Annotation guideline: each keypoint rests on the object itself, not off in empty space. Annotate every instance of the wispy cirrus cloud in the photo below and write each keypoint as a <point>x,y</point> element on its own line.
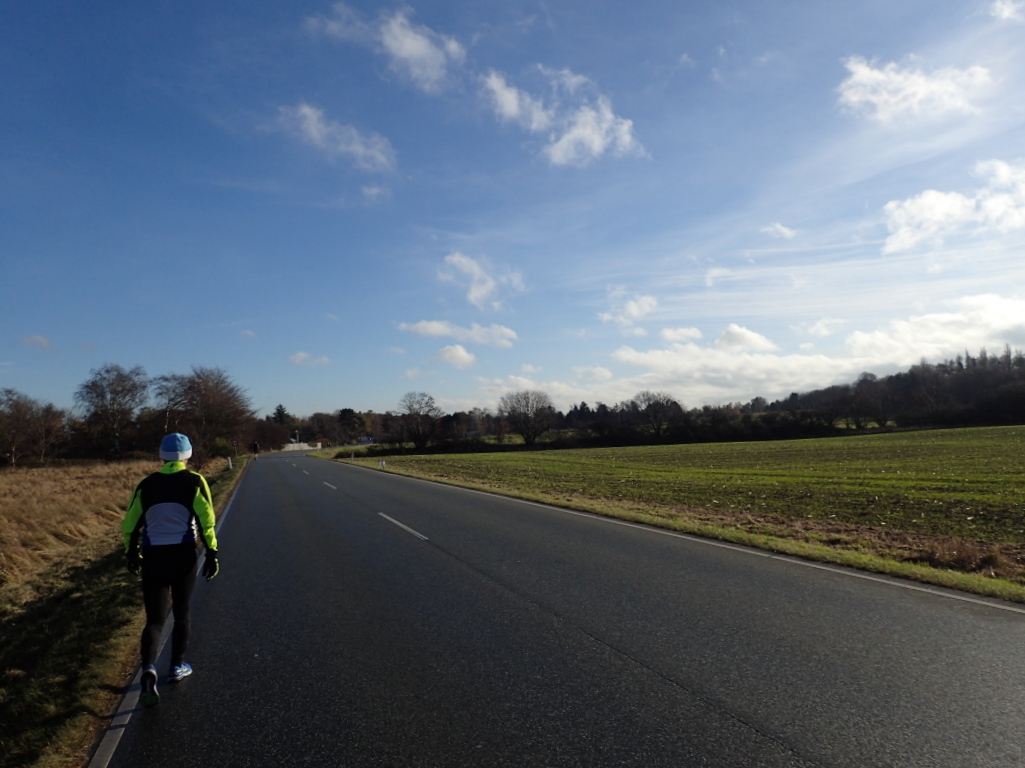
<point>368,152</point>
<point>493,335</point>
<point>593,373</point>
<point>305,358</point>
<point>777,230</point>
<point>891,92</point>
<point>38,341</point>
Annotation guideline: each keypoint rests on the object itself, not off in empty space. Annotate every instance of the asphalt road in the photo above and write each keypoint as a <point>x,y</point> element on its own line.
<point>363,619</point>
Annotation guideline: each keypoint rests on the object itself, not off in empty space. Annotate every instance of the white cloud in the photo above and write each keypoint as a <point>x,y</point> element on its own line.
<point>680,334</point>
<point>481,285</point>
<point>305,358</point>
<point>713,274</point>
<point>595,373</point>
<point>418,52</point>
<point>249,334</point>
<point>516,106</point>
<point>638,307</point>
<point>706,375</point>
<point>331,317</point>
<point>493,335</point>
<point>528,368</point>
<point>592,130</point>
<point>742,364</point>
<point>346,24</point>
<point>371,194</point>
<point>370,152</point>
<point>778,230</point>
<point>736,338</point>
<point>827,326</point>
<point>457,356</point>
<point>928,218</point>
<point>626,313</point>
<point>566,79</point>
<point>986,320</point>
<point>580,125</point>
<point>37,341</point>
<point>1007,10</point>
<point>891,92</point>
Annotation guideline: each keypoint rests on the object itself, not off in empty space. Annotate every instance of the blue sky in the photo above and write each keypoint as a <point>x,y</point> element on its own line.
<point>339,203</point>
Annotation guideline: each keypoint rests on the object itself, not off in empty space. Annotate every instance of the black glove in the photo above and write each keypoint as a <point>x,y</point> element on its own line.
<point>133,561</point>
<point>210,566</point>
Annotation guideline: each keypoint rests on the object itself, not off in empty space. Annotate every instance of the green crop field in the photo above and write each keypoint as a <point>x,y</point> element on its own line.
<point>895,495</point>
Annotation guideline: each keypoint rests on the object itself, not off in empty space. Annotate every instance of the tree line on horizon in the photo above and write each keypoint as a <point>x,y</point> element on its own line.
<point>123,413</point>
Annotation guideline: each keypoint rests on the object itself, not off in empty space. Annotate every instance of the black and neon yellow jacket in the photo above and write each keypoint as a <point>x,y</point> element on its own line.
<point>172,506</point>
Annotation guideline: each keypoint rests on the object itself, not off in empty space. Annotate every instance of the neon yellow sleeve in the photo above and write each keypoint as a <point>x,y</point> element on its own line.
<point>131,518</point>
<point>203,506</point>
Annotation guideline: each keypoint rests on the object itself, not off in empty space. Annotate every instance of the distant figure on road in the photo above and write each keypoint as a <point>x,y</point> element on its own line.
<point>256,449</point>
<point>169,514</point>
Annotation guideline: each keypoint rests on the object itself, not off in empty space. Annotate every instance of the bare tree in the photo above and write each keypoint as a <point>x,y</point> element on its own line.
<point>215,409</point>
<point>111,397</point>
<point>15,425</point>
<point>207,406</point>
<point>28,426</point>
<point>49,428</point>
<point>530,413</point>
<point>480,421</point>
<point>171,393</point>
<point>658,410</point>
<point>419,413</point>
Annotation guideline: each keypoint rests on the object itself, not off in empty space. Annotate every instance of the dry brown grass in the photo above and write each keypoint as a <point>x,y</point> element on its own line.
<point>70,614</point>
<point>46,512</point>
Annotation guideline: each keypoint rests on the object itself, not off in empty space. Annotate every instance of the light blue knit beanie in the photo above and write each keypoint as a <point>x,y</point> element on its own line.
<point>175,447</point>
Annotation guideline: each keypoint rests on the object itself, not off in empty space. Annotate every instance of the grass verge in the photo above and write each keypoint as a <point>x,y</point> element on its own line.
<point>945,507</point>
<point>70,627</point>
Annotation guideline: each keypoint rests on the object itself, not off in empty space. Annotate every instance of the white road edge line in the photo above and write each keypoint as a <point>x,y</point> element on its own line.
<point>330,486</point>
<point>406,528</point>
<point>892,581</point>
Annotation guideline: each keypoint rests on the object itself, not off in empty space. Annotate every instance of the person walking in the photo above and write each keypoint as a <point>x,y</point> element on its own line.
<point>169,515</point>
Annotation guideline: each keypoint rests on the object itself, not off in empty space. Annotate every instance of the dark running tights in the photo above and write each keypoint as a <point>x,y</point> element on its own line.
<point>168,576</point>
